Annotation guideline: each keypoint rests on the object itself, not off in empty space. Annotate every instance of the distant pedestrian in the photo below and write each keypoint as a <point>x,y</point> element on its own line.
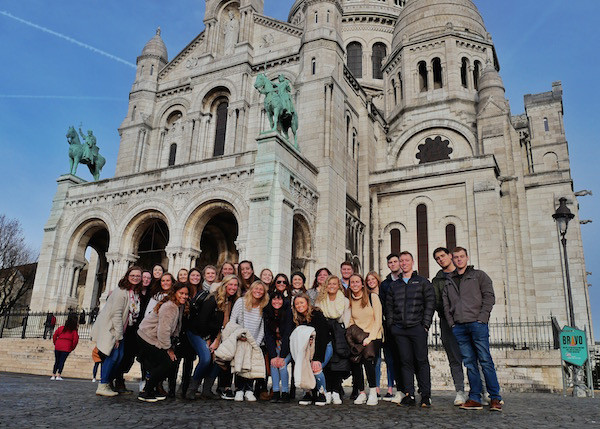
<point>65,340</point>
<point>49,325</point>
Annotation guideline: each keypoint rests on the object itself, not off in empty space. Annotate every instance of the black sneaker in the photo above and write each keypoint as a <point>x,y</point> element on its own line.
<point>227,394</point>
<point>425,402</point>
<point>159,395</point>
<point>276,397</point>
<point>307,399</point>
<point>320,400</point>
<point>147,397</point>
<point>285,398</point>
<point>408,401</point>
<point>388,397</point>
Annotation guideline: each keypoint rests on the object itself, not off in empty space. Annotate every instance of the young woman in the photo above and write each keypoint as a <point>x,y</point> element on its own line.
<point>373,281</point>
<point>158,293</point>
<point>109,327</point>
<point>182,275</point>
<point>281,284</point>
<point>246,275</point>
<point>366,313</point>
<point>187,349</point>
<point>65,340</point>
<point>306,314</point>
<point>320,277</point>
<point>248,313</point>
<point>209,274</point>
<point>336,309</point>
<point>227,269</point>
<point>266,276</point>
<point>157,273</point>
<point>155,333</point>
<point>298,283</point>
<point>225,297</point>
<point>278,328</point>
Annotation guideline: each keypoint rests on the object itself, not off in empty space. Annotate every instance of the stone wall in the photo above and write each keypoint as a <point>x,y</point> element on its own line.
<point>518,370</point>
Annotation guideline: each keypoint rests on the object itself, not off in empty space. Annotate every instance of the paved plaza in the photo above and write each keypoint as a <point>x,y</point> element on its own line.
<point>36,402</point>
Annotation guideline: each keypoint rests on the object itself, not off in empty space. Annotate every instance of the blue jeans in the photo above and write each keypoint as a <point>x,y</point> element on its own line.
<point>320,377</point>
<point>474,342</point>
<point>281,374</point>
<point>111,364</point>
<point>389,363</point>
<point>59,361</point>
<point>204,357</point>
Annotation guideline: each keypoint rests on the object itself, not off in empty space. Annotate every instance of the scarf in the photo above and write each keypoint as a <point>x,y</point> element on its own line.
<point>134,308</point>
<point>206,286</point>
<point>333,309</point>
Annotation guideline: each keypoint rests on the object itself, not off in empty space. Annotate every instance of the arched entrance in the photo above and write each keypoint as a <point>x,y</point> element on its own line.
<point>153,239</point>
<point>301,245</point>
<point>217,241</point>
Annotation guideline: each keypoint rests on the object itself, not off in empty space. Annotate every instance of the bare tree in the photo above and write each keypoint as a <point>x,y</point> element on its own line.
<point>17,271</point>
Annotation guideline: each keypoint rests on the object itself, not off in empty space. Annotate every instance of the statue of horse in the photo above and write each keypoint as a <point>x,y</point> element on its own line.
<point>280,118</point>
<point>76,155</point>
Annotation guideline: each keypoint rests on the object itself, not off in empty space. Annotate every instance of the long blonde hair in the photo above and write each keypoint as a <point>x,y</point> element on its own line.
<point>221,292</point>
<point>248,298</point>
<point>323,295</point>
<point>299,318</point>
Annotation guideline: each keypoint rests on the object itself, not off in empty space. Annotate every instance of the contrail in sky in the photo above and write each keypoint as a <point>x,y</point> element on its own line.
<point>67,38</point>
<point>60,97</point>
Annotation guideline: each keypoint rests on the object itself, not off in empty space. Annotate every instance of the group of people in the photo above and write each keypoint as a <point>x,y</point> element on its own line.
<point>241,328</point>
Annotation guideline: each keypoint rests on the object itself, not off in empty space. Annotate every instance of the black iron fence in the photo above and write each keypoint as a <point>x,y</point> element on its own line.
<point>536,334</point>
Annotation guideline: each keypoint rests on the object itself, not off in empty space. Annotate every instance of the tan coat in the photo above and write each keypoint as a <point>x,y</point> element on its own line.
<point>158,328</point>
<point>110,323</point>
<point>246,357</point>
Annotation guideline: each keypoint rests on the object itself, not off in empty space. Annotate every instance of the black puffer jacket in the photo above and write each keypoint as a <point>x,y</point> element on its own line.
<point>410,304</point>
<point>341,350</point>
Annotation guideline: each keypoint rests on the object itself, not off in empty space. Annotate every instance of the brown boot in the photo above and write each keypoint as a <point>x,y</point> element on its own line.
<point>471,405</point>
<point>495,405</point>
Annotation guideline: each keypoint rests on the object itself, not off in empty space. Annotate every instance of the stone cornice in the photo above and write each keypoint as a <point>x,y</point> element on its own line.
<point>289,59</point>
<point>181,56</point>
<point>278,25</point>
<point>175,90</point>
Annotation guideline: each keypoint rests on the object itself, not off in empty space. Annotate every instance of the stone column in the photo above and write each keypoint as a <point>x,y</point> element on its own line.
<point>240,245</point>
<point>429,77</point>
<point>91,281</point>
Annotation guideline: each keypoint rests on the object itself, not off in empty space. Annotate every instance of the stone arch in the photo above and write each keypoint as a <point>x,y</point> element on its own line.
<point>386,232</point>
<point>178,103</point>
<point>302,243</point>
<point>550,161</point>
<point>460,228</point>
<point>207,95</point>
<point>214,9</point>
<point>137,221</point>
<point>432,124</point>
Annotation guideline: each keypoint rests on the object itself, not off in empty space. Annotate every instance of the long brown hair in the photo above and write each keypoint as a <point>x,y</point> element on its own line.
<point>301,319</point>
<point>364,299</point>
<point>172,296</point>
<point>157,288</point>
<point>124,283</point>
<point>315,282</point>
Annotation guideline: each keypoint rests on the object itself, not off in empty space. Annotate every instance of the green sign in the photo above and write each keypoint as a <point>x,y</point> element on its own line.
<point>573,346</point>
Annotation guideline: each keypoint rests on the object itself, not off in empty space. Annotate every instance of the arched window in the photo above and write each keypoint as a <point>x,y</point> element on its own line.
<point>354,52</point>
<point>401,85</point>
<point>313,66</point>
<point>437,73</point>
<point>464,69</point>
<point>546,125</point>
<point>476,71</point>
<point>450,236</point>
<point>172,154</point>
<point>379,53</point>
<point>395,241</point>
<point>348,132</point>
<point>316,17</point>
<point>422,76</point>
<point>328,16</point>
<point>221,128</point>
<point>133,113</point>
<point>395,92</point>
<point>354,142</point>
<point>151,70</point>
<point>422,240</point>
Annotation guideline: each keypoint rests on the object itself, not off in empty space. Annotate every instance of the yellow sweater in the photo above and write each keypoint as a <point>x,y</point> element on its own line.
<point>369,318</point>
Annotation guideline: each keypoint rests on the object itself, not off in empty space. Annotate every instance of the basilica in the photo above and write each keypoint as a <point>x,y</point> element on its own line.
<point>405,141</point>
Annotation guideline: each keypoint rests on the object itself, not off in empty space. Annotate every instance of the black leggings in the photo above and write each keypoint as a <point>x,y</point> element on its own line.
<point>369,365</point>
<point>158,364</point>
<point>59,361</point>
<point>333,381</point>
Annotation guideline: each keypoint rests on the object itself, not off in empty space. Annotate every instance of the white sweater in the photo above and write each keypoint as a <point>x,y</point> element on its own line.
<point>251,320</point>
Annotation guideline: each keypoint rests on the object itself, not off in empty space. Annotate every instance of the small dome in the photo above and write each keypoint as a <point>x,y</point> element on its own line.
<point>423,18</point>
<point>156,47</point>
<point>490,78</point>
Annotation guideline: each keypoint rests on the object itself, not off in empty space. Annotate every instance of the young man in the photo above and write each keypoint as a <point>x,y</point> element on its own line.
<point>390,352</point>
<point>443,257</point>
<point>468,300</point>
<point>410,303</point>
<point>346,271</point>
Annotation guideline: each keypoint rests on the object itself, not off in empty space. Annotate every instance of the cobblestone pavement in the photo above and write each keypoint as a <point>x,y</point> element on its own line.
<point>28,401</point>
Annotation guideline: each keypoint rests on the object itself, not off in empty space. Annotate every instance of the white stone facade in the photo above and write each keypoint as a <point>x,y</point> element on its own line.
<point>427,128</point>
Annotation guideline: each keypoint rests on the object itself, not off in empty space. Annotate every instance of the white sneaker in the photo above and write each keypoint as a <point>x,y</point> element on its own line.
<point>335,398</point>
<point>105,390</point>
<point>249,396</point>
<point>397,398</point>
<point>328,398</point>
<point>93,380</point>
<point>485,398</point>
<point>372,397</point>
<point>142,385</point>
<point>461,398</point>
<point>58,377</point>
<point>360,399</point>
<point>239,396</point>
<point>52,378</point>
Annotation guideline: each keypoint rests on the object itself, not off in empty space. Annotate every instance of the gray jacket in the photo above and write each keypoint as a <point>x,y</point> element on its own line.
<point>471,300</point>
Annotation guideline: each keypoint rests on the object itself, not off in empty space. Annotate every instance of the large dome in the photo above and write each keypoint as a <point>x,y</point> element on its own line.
<point>424,18</point>
<point>156,47</point>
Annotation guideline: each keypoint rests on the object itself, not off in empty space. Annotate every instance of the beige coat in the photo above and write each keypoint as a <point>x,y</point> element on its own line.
<point>158,328</point>
<point>110,323</point>
<point>302,348</point>
<point>246,357</point>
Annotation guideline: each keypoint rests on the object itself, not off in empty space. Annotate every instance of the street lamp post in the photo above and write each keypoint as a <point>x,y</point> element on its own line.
<point>562,216</point>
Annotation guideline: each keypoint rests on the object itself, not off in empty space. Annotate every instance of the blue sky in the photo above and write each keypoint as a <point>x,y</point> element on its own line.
<point>71,62</point>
